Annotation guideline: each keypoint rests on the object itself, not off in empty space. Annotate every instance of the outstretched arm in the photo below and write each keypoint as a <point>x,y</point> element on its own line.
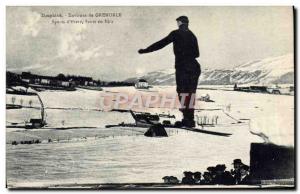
<point>158,45</point>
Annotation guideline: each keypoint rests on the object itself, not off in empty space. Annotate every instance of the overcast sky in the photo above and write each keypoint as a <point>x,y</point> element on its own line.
<point>227,37</point>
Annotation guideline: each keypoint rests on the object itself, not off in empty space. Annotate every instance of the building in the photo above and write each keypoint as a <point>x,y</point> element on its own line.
<point>45,81</point>
<point>257,89</point>
<point>142,84</point>
<point>205,97</point>
<point>60,81</point>
<point>27,77</point>
<point>65,83</point>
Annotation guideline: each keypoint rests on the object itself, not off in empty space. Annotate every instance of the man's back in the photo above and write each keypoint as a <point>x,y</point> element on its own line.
<point>185,45</point>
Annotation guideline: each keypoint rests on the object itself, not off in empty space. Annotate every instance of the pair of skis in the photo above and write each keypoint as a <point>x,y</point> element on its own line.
<point>147,122</point>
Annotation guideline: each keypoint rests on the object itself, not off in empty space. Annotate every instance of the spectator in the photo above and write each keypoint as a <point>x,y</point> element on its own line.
<point>212,171</point>
<point>207,179</point>
<point>237,164</point>
<point>170,180</point>
<point>188,178</point>
<point>245,177</point>
<point>173,180</point>
<point>197,177</point>
<point>222,177</point>
<point>166,179</point>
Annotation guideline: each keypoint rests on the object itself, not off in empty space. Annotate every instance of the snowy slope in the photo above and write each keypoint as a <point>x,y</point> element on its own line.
<point>266,71</point>
<point>161,77</point>
<point>269,70</point>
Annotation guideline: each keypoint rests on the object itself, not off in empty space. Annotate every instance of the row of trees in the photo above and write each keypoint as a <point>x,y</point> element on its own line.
<point>13,79</point>
<point>98,82</point>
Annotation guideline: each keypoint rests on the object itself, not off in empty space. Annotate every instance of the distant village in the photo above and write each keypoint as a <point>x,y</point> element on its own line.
<point>71,82</point>
<point>61,81</point>
<point>265,89</point>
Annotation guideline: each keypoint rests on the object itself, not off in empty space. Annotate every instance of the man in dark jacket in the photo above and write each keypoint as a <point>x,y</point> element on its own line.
<point>223,177</point>
<point>185,47</point>
<point>188,178</point>
<point>245,178</point>
<point>236,172</point>
<point>207,178</point>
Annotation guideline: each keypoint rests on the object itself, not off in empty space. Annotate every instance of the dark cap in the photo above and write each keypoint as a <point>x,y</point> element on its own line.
<point>197,173</point>
<point>188,173</point>
<point>206,173</point>
<point>245,167</point>
<point>183,19</point>
<point>237,161</point>
<point>211,168</point>
<point>220,167</point>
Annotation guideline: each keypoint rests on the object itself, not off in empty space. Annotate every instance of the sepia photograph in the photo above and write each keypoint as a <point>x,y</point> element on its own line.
<point>150,97</point>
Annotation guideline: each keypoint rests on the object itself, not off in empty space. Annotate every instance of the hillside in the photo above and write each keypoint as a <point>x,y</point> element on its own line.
<point>271,70</point>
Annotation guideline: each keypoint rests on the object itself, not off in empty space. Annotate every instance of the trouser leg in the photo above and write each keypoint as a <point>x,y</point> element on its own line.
<point>187,81</point>
<point>188,110</point>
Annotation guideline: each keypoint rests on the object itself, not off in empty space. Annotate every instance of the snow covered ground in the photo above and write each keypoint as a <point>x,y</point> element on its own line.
<point>115,156</point>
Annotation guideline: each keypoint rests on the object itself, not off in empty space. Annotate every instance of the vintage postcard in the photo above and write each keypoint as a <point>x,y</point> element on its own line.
<point>150,97</point>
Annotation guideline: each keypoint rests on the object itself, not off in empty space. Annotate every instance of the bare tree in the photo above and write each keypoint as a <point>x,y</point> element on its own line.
<point>30,103</point>
<point>13,99</point>
<point>217,119</point>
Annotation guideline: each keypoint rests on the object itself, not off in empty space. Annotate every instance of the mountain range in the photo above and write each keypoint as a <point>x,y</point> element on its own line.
<point>272,70</point>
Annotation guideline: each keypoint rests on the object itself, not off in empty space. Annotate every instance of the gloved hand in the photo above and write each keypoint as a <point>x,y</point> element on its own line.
<point>142,51</point>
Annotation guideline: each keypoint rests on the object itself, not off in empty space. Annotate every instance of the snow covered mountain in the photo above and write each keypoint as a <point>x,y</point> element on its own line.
<point>271,70</point>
